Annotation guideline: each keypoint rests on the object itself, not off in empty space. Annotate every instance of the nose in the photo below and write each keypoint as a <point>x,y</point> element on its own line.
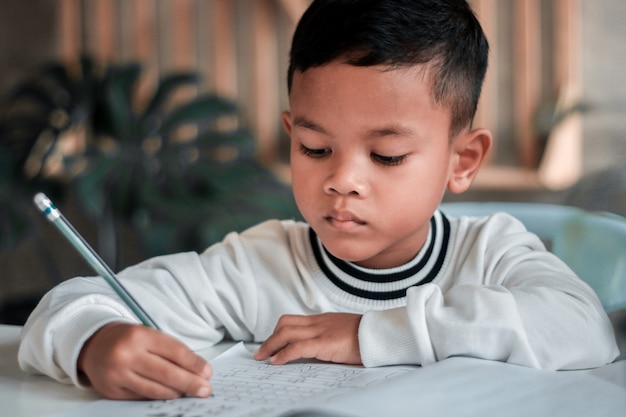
<point>347,177</point>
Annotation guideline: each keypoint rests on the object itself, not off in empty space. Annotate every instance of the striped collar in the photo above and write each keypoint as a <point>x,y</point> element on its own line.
<point>392,283</point>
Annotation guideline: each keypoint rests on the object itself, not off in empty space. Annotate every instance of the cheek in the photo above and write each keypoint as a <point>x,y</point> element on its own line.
<point>302,181</point>
<point>420,185</point>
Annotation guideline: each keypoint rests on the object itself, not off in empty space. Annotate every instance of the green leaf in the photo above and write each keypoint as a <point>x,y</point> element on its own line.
<point>13,226</point>
<point>160,238</point>
<point>58,74</point>
<point>91,187</point>
<point>87,68</point>
<point>205,109</point>
<point>35,94</point>
<point>167,86</point>
<point>117,104</point>
<point>240,138</point>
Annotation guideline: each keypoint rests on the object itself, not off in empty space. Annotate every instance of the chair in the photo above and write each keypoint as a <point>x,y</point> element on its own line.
<point>593,244</point>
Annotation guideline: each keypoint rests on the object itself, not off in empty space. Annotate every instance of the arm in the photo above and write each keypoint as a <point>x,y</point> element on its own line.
<point>81,332</point>
<point>507,299</point>
<point>197,299</point>
<point>175,289</point>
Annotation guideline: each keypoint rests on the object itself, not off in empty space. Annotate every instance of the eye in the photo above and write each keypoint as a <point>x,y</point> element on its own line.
<point>388,160</point>
<point>314,153</point>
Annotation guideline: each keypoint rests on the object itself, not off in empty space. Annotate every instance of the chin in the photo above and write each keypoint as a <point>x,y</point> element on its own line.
<point>348,252</point>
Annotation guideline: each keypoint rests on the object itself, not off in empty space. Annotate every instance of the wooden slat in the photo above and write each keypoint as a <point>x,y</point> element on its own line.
<point>567,63</point>
<point>143,46</point>
<point>487,112</point>
<point>182,32</point>
<point>562,164</point>
<point>294,8</point>
<point>224,61</point>
<point>527,77</point>
<point>493,177</point>
<point>265,80</point>
<point>144,22</point>
<point>102,26</point>
<point>69,27</point>
<point>126,30</point>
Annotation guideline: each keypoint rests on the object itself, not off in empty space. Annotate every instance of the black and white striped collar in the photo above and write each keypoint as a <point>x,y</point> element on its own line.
<point>392,283</point>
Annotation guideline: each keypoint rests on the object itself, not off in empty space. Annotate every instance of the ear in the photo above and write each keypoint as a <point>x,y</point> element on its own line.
<point>286,116</point>
<point>469,151</point>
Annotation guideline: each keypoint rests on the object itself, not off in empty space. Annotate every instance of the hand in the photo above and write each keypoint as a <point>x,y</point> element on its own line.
<point>331,337</point>
<point>129,362</point>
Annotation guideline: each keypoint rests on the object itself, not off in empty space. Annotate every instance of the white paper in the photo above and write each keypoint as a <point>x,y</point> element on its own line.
<point>243,386</point>
<point>474,387</point>
<point>454,387</point>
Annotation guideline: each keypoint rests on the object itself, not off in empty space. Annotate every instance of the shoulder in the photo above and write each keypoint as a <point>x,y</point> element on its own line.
<point>273,230</point>
<point>273,237</point>
<point>495,233</point>
<point>498,250</point>
<point>497,222</point>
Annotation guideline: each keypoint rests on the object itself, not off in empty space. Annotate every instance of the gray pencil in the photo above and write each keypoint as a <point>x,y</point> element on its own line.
<point>53,214</point>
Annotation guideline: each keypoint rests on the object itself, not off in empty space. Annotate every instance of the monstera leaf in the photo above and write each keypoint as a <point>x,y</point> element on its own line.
<point>16,193</point>
<point>174,165</point>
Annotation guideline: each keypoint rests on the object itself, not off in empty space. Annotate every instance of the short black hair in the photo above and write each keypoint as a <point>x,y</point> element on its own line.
<point>443,34</point>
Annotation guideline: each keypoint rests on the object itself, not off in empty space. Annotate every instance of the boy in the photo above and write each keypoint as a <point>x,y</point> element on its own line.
<point>382,95</point>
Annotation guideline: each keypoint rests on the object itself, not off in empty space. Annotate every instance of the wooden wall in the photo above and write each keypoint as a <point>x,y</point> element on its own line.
<point>535,66</point>
<point>241,47</point>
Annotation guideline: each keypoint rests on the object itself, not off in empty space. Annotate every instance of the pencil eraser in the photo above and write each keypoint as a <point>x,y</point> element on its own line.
<point>46,206</point>
<point>42,201</point>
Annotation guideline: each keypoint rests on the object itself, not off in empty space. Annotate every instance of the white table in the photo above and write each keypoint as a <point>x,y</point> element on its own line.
<point>23,395</point>
<point>26,395</point>
<point>457,386</point>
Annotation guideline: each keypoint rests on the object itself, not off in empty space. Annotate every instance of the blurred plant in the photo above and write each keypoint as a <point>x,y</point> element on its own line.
<point>32,119</point>
<point>17,188</point>
<point>16,192</point>
<point>179,171</point>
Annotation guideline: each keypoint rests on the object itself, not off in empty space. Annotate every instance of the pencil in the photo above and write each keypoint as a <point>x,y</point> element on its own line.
<point>45,205</point>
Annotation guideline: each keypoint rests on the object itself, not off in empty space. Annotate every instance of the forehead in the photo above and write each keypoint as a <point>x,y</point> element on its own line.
<point>375,93</point>
<point>339,73</point>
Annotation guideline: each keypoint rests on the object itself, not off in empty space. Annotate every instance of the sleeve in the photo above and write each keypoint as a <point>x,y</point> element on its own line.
<point>197,298</point>
<point>509,300</point>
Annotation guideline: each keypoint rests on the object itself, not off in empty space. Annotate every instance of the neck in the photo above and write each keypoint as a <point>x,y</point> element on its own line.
<point>391,283</point>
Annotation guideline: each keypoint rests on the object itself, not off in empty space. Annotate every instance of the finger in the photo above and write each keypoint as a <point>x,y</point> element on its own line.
<point>273,344</point>
<point>281,338</point>
<point>297,350</point>
<point>179,354</point>
<point>120,393</point>
<point>133,387</point>
<point>140,388</point>
<point>162,372</point>
<point>290,329</point>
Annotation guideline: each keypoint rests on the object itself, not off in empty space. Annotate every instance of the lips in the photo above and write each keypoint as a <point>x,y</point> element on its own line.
<point>344,220</point>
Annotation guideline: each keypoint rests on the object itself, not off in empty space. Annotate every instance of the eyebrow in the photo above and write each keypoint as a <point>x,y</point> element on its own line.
<point>308,124</point>
<point>390,130</point>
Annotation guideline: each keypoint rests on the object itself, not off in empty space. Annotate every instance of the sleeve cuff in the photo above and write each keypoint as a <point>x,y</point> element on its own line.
<point>386,338</point>
<point>77,331</point>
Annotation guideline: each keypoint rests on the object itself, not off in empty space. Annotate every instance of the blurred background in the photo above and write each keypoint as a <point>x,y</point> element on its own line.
<point>155,124</point>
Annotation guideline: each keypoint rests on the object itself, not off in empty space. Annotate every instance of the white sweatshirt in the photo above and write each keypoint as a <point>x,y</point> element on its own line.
<point>480,287</point>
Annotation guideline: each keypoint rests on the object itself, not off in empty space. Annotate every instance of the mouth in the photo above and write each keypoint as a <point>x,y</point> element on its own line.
<point>344,220</point>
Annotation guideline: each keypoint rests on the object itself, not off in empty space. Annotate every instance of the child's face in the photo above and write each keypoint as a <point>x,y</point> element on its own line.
<point>370,159</point>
